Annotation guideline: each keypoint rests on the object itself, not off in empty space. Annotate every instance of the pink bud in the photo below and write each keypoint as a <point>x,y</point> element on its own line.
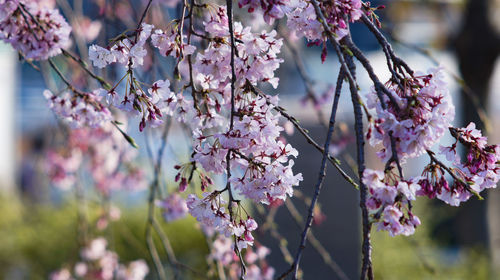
<point>142,125</point>
<point>183,185</point>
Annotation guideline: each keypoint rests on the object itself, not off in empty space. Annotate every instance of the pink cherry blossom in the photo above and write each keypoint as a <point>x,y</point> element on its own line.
<point>389,200</point>
<point>39,37</point>
<point>424,115</point>
<point>79,110</point>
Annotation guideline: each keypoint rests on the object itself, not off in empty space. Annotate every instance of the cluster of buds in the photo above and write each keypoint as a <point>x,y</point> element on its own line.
<point>186,173</point>
<point>479,171</point>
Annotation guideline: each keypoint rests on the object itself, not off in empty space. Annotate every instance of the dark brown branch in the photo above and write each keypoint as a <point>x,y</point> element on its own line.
<point>385,44</point>
<point>366,268</point>
<point>229,7</point>
<point>379,89</point>
<point>321,176</point>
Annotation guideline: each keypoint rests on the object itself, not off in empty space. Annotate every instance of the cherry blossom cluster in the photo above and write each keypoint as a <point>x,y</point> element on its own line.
<point>97,262</point>
<point>390,196</point>
<point>256,266</point>
<point>36,32</point>
<point>79,110</point>
<point>253,141</point>
<point>129,53</point>
<point>479,171</point>
<point>302,18</point>
<point>389,201</point>
<point>150,106</point>
<point>303,21</point>
<point>255,61</point>
<point>260,153</point>
<point>62,167</point>
<point>170,43</point>
<point>108,158</point>
<point>416,116</point>
<point>256,130</point>
<point>210,211</point>
<point>153,104</point>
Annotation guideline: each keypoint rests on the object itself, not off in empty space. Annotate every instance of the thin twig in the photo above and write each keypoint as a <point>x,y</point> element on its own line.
<point>334,161</point>
<point>385,44</point>
<point>379,89</point>
<point>83,65</point>
<point>366,248</point>
<point>455,177</point>
<point>321,176</point>
<point>142,18</point>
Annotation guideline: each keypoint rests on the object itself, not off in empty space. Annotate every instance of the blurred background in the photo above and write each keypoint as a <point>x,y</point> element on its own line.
<point>39,224</point>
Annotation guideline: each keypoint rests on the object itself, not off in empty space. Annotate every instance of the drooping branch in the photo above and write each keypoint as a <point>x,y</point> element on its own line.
<point>388,51</point>
<point>366,268</point>
<point>379,89</point>
<point>229,7</point>
<point>321,177</point>
<point>366,247</point>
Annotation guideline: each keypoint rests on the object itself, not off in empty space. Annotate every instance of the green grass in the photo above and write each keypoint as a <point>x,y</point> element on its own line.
<point>38,239</point>
<point>421,257</point>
